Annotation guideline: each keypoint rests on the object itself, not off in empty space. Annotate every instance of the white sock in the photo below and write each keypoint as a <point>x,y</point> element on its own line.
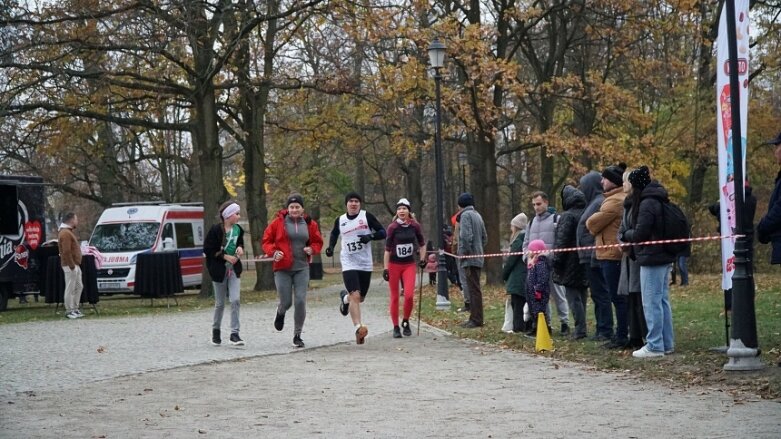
<point>346,299</point>
<point>358,326</point>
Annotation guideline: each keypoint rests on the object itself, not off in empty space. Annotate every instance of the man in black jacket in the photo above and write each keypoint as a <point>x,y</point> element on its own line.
<point>567,269</point>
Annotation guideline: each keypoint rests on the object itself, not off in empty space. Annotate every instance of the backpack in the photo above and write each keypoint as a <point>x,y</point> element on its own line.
<point>675,225</point>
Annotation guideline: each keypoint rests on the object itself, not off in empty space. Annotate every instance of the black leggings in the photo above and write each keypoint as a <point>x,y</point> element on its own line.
<point>637,326</point>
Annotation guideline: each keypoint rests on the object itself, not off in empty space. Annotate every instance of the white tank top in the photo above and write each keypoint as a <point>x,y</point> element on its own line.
<point>355,255</point>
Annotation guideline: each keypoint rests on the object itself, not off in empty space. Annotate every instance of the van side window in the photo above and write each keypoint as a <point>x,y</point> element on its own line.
<point>184,235</point>
<point>168,231</point>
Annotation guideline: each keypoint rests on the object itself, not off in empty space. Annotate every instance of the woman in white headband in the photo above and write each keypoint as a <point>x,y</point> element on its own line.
<point>223,248</point>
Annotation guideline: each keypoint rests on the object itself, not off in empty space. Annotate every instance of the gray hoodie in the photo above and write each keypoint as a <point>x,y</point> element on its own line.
<point>591,186</point>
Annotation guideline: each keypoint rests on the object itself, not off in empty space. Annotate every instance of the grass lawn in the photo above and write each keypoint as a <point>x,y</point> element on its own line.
<point>698,319</point>
<point>130,305</point>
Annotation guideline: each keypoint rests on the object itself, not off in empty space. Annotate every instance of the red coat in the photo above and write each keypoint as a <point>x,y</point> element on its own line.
<point>275,238</point>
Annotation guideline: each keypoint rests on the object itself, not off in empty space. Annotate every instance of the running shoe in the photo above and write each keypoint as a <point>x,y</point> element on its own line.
<point>236,340</point>
<point>344,308</point>
<point>297,342</point>
<point>396,332</point>
<point>279,322</point>
<point>360,334</point>
<point>406,328</point>
<point>216,340</point>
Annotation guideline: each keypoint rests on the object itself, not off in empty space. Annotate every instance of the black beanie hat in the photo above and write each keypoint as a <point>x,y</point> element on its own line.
<point>295,198</point>
<point>614,174</point>
<point>640,177</point>
<point>352,194</point>
<point>466,199</point>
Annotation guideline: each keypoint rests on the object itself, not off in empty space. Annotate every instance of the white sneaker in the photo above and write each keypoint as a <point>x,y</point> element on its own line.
<point>669,351</point>
<point>78,314</point>
<point>644,352</point>
<point>71,315</point>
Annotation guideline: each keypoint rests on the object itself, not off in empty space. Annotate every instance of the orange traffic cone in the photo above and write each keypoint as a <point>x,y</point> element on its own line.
<point>543,341</point>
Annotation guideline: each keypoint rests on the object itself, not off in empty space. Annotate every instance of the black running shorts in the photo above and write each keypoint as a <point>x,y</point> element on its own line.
<point>356,280</point>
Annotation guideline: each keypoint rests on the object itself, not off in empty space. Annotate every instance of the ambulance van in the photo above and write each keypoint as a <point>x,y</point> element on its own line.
<point>126,230</point>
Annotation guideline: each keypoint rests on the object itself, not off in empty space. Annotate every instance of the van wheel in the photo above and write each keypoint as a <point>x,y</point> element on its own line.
<point>5,293</point>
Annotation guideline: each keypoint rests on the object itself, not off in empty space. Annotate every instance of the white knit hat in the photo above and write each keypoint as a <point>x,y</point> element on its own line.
<point>520,221</point>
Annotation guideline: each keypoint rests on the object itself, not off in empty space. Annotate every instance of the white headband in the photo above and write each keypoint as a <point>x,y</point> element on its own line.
<point>231,210</point>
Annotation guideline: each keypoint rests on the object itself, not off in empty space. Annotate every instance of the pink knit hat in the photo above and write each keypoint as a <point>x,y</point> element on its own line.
<point>537,245</point>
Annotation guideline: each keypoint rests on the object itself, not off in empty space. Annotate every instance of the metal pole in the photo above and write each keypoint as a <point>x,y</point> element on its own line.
<point>443,299</point>
<point>743,349</point>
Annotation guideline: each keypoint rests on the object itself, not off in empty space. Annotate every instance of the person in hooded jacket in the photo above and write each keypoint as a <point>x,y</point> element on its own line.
<point>629,283</point>
<point>223,248</point>
<point>591,186</point>
<point>292,239</point>
<point>655,263</point>
<point>567,269</point>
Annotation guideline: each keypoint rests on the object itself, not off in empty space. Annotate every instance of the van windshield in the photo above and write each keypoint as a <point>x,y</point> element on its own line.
<point>124,237</point>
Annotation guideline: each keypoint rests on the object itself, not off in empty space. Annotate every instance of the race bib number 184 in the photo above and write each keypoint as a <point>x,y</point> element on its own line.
<point>404,250</point>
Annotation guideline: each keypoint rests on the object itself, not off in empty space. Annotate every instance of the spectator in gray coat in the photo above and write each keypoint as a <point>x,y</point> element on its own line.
<point>471,239</point>
<point>591,186</point>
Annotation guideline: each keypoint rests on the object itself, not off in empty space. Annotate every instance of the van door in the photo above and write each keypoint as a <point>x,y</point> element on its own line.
<point>190,254</point>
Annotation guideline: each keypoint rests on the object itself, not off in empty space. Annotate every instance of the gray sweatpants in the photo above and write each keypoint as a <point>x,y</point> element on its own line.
<point>287,283</point>
<point>559,295</point>
<point>228,287</point>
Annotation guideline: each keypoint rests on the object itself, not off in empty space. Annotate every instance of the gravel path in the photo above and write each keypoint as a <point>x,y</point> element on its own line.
<point>159,377</point>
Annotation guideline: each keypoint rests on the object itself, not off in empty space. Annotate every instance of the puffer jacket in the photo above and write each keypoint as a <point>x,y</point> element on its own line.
<point>604,224</point>
<point>567,269</point>
<point>649,227</point>
<point>590,185</point>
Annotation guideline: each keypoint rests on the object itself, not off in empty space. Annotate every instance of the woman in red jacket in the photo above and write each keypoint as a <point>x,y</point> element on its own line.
<point>291,239</point>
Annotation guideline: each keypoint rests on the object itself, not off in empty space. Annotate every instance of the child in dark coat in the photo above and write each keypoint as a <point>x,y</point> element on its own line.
<point>538,283</point>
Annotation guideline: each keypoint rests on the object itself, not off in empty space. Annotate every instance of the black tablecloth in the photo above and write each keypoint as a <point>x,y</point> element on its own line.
<point>54,285</point>
<point>158,274</point>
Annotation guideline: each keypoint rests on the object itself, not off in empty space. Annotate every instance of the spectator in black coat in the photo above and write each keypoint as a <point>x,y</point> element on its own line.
<point>567,269</point>
<point>769,227</point>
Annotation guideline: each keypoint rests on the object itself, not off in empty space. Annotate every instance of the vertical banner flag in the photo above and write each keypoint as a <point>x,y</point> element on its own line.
<point>724,129</point>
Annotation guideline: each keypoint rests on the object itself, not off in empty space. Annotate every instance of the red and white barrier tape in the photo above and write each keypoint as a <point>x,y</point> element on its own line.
<point>597,247</point>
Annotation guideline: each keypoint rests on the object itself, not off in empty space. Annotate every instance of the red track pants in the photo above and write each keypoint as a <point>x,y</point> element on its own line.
<point>406,274</point>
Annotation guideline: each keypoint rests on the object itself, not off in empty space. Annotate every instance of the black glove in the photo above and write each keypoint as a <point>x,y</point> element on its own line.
<point>365,238</point>
<point>386,275</point>
<point>329,252</point>
<point>422,263</point>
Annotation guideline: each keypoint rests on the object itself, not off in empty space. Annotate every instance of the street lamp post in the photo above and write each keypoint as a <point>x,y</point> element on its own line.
<point>743,351</point>
<point>463,159</point>
<point>436,54</point>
